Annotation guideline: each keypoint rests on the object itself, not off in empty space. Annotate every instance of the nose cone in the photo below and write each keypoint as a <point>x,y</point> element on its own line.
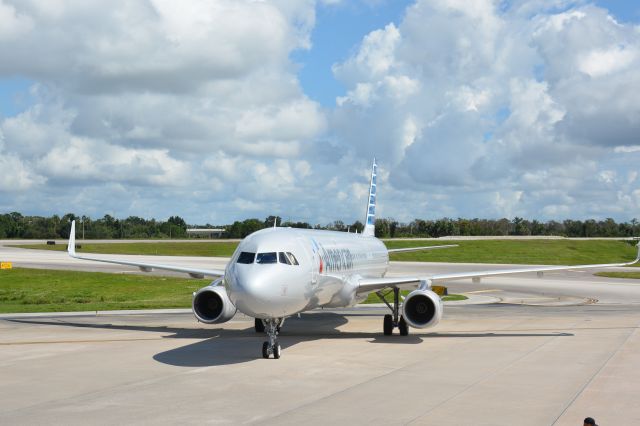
<point>261,292</point>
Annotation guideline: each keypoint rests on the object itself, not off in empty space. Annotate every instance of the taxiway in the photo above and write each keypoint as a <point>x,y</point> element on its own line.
<point>555,350</point>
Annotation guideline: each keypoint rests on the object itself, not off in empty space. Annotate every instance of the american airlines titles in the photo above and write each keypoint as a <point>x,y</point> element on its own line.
<point>336,259</point>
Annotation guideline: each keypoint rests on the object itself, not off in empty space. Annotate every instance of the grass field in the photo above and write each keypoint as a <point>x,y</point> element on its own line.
<point>632,275</point>
<point>39,290</point>
<point>532,252</point>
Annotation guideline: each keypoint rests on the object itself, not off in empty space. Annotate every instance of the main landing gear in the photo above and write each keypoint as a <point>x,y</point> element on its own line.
<point>394,319</point>
<point>272,327</point>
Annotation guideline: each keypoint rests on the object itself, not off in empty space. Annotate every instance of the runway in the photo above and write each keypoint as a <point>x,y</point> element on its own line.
<point>557,349</point>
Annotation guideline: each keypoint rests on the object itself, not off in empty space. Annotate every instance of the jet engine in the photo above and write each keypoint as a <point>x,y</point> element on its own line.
<point>422,309</point>
<point>211,305</point>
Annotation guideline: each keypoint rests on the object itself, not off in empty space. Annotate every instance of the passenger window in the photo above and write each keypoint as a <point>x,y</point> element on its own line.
<point>270,257</point>
<point>282,258</point>
<point>292,259</point>
<point>246,257</point>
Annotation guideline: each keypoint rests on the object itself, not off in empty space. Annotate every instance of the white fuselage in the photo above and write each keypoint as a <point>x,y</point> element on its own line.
<point>263,280</point>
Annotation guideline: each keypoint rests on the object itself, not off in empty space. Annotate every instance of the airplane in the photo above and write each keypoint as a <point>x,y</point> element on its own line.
<point>279,272</point>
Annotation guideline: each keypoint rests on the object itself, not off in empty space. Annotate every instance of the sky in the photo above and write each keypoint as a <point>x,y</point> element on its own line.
<point>224,110</point>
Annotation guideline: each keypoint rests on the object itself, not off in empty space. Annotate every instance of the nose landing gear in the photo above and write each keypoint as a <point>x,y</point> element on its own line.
<point>271,346</point>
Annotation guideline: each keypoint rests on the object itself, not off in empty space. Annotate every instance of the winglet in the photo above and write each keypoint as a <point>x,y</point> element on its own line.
<point>71,247</point>
<point>370,223</point>
<point>637,255</point>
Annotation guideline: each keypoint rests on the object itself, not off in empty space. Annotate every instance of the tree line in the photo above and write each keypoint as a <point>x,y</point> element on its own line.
<point>389,228</point>
<point>16,225</point>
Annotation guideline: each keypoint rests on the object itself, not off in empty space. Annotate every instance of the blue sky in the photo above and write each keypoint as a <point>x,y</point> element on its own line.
<point>338,30</point>
<point>221,111</point>
<point>14,95</point>
<point>623,10</point>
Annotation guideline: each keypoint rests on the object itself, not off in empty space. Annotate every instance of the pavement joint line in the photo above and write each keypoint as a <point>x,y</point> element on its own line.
<point>521,330</point>
<point>45,342</point>
<point>482,379</point>
<point>595,374</point>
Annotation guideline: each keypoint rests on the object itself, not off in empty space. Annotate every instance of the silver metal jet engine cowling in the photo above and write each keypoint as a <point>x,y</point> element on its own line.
<point>211,305</point>
<point>422,309</point>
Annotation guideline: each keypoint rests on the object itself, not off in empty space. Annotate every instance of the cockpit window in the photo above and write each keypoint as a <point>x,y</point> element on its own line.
<point>287,258</point>
<point>246,257</point>
<point>282,258</point>
<point>292,258</point>
<point>270,257</point>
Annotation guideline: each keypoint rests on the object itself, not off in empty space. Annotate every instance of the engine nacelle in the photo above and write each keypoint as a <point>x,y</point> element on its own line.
<point>422,309</point>
<point>211,305</point>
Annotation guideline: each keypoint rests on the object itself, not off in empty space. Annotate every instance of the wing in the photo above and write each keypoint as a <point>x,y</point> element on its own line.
<point>371,284</point>
<point>367,285</point>
<point>538,269</point>
<point>146,267</point>
<point>408,249</point>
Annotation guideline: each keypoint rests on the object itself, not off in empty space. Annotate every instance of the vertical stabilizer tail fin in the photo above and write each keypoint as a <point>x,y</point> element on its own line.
<point>370,222</point>
<point>71,246</point>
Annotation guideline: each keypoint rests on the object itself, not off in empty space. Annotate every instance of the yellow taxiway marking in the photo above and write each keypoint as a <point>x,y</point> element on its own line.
<point>482,291</point>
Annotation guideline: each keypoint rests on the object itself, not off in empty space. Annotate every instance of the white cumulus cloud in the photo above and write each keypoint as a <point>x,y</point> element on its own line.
<point>473,109</point>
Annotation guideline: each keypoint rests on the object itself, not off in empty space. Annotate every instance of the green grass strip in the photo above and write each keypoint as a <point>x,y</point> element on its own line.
<point>632,275</point>
<point>454,297</point>
<point>526,252</point>
<point>40,290</point>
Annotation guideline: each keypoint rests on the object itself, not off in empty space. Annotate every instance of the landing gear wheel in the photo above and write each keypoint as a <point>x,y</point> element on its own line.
<point>395,320</point>
<point>271,346</point>
<point>259,325</point>
<point>403,327</point>
<point>388,325</point>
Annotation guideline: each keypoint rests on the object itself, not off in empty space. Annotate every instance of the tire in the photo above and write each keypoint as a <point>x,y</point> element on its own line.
<point>265,350</point>
<point>388,325</point>
<point>259,325</point>
<point>403,327</point>
<point>276,351</point>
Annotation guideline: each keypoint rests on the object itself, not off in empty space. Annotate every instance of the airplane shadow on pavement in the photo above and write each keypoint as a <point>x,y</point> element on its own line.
<point>221,346</point>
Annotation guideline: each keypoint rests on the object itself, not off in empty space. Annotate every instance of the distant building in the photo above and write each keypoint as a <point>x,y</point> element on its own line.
<point>204,233</point>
